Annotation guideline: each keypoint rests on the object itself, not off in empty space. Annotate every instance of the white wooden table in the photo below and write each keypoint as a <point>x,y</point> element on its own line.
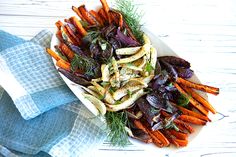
<point>203,32</point>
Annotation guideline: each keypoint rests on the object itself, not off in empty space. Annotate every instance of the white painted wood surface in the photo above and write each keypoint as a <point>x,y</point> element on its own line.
<point>203,32</point>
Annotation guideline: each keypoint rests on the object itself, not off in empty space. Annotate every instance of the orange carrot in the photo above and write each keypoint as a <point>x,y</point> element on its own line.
<point>170,137</point>
<point>200,99</point>
<point>97,17</point>
<point>78,26</point>
<point>181,143</point>
<point>72,35</point>
<point>155,139</point>
<point>191,113</point>
<point>192,101</point>
<point>192,120</point>
<point>179,135</point>
<point>185,125</point>
<point>116,17</point>
<point>70,38</point>
<point>87,16</point>
<point>59,24</point>
<point>76,10</point>
<point>63,64</point>
<point>103,15</point>
<point>66,51</point>
<point>106,9</point>
<point>53,54</point>
<point>205,88</point>
<point>161,137</point>
<point>59,36</point>
<point>139,125</point>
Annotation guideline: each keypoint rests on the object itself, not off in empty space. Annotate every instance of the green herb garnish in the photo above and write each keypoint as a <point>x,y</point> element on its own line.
<point>112,89</point>
<point>83,63</point>
<point>104,83</point>
<point>183,101</point>
<point>117,121</point>
<point>148,67</point>
<point>129,93</point>
<point>132,15</point>
<point>171,125</point>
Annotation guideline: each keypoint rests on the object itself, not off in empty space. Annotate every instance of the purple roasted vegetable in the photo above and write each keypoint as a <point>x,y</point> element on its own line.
<point>184,73</point>
<point>108,31</point>
<point>141,135</point>
<point>158,68</point>
<point>77,50</point>
<point>125,40</point>
<point>151,114</point>
<point>176,61</point>
<point>170,69</point>
<point>74,78</point>
<point>155,101</point>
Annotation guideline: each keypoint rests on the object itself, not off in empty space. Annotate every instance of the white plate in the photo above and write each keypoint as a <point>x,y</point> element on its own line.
<point>163,50</point>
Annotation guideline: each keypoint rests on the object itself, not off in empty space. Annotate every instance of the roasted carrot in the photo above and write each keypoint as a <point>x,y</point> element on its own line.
<point>155,139</point>
<point>192,101</point>
<point>78,25</point>
<point>66,20</point>
<point>185,125</point>
<point>59,36</point>
<point>63,64</point>
<point>66,51</point>
<point>76,10</point>
<point>53,54</point>
<point>165,114</point>
<point>97,17</point>
<point>103,15</point>
<point>106,9</point>
<point>200,99</point>
<point>129,31</point>
<point>170,137</point>
<point>161,137</point>
<point>181,128</point>
<point>70,38</point>
<point>204,88</point>
<point>179,135</point>
<point>192,120</point>
<point>191,113</point>
<point>116,17</point>
<point>72,35</point>
<point>181,143</point>
<point>87,16</point>
<point>59,24</point>
<point>139,125</point>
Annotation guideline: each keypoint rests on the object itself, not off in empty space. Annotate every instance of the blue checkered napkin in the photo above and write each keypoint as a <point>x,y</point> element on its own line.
<point>29,76</point>
<point>32,86</point>
<point>66,131</point>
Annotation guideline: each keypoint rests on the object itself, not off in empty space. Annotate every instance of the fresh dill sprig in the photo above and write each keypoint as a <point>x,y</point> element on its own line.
<point>132,15</point>
<point>117,122</point>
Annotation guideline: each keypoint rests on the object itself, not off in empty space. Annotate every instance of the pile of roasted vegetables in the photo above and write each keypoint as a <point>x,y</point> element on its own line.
<point>142,95</point>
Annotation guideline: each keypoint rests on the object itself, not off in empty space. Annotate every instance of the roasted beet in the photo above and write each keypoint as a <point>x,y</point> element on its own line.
<point>184,73</point>
<point>74,78</point>
<point>155,101</point>
<point>151,114</point>
<point>125,40</point>
<point>175,61</point>
<point>170,69</point>
<point>141,135</point>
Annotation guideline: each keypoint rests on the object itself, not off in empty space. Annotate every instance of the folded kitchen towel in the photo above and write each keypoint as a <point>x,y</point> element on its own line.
<point>30,86</point>
<point>29,76</point>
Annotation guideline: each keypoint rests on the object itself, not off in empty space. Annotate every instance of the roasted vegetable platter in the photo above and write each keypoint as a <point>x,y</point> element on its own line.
<point>124,73</point>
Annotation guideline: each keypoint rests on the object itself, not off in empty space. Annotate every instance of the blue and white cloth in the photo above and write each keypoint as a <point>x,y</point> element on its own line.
<point>39,115</point>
